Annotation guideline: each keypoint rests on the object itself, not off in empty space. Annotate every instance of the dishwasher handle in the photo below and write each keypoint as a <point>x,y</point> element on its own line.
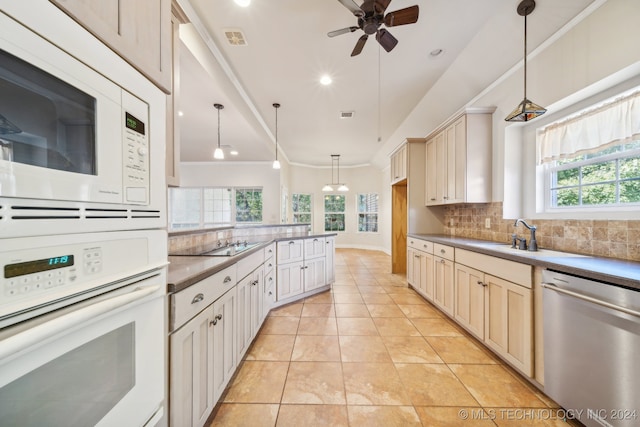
<point>615,307</point>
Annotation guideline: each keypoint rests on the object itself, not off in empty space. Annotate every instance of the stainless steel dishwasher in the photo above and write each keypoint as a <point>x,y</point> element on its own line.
<point>592,349</point>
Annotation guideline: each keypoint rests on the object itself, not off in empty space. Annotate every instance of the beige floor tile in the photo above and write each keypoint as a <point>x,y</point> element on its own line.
<point>385,310</point>
<point>363,349</point>
<point>321,298</point>
<point>290,310</point>
<point>245,414</point>
<point>373,384</point>
<point>258,382</point>
<point>419,311</point>
<point>398,289</point>
<point>351,310</point>
<point>460,350</point>
<point>348,299</point>
<point>371,289</point>
<point>377,299</point>
<point>275,325</point>
<point>436,327</point>
<point>313,416</point>
<point>318,310</point>
<point>366,280</point>
<point>314,383</point>
<point>434,385</point>
<point>406,298</point>
<point>318,326</point>
<point>410,350</point>
<point>311,348</point>
<point>271,347</point>
<point>531,417</point>
<point>454,417</point>
<point>344,289</point>
<point>383,416</point>
<point>395,327</point>
<point>494,386</point>
<point>356,326</point>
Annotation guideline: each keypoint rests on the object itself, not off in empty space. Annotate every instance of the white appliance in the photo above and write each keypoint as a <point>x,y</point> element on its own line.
<point>80,149</point>
<point>83,329</point>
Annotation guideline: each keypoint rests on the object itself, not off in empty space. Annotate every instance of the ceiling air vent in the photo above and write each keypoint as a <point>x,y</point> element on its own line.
<point>347,114</point>
<point>235,37</point>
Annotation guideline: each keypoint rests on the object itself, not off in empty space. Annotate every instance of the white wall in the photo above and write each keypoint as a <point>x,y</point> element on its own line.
<point>230,174</point>
<point>363,179</point>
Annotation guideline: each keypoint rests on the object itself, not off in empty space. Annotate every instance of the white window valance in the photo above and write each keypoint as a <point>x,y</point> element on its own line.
<point>612,123</point>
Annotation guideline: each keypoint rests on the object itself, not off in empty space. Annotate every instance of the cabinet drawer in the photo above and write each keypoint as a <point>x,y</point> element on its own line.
<point>248,264</point>
<point>290,251</point>
<point>314,247</point>
<point>443,251</point>
<point>189,302</point>
<point>269,251</point>
<point>419,244</point>
<point>509,270</point>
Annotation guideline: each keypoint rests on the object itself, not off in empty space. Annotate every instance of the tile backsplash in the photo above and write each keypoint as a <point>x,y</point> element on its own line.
<point>606,238</point>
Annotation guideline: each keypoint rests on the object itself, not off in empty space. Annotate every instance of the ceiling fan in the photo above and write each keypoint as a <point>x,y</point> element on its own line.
<point>370,17</point>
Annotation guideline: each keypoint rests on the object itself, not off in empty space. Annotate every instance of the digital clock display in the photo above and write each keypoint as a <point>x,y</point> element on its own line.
<point>29,267</point>
<point>134,124</point>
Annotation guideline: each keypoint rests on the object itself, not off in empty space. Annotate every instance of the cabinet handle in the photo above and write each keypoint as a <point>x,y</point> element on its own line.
<point>441,261</point>
<point>219,317</point>
<point>416,256</point>
<point>433,199</point>
<point>292,242</point>
<point>315,240</point>
<point>214,322</point>
<point>197,298</point>
<point>481,283</point>
<point>327,242</point>
<point>271,279</point>
<point>227,279</point>
<point>270,265</point>
<point>270,251</point>
<point>442,251</point>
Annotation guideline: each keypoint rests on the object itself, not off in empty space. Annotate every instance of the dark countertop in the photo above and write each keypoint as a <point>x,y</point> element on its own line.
<point>184,271</point>
<point>618,272</point>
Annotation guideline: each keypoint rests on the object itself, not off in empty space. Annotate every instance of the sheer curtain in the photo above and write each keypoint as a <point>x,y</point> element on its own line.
<point>612,123</point>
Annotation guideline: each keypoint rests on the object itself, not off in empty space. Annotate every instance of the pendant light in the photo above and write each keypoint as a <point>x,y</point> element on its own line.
<point>341,187</point>
<point>218,154</point>
<point>335,160</point>
<point>526,110</point>
<point>276,163</point>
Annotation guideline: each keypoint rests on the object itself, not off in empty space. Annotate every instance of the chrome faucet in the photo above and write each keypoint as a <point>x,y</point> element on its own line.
<point>533,244</point>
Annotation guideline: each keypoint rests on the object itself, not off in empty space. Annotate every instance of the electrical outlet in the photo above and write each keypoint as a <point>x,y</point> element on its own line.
<point>487,223</point>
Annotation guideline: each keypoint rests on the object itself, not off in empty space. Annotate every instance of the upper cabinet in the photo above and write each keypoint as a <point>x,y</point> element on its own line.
<point>399,164</point>
<point>458,160</point>
<point>138,30</point>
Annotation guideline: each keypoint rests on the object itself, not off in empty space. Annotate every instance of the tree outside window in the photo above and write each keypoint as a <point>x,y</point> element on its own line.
<point>301,207</point>
<point>334,208</point>
<point>249,205</point>
<point>367,212</point>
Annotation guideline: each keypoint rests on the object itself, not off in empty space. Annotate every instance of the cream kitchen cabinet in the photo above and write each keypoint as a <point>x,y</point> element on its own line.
<point>494,301</point>
<point>269,298</point>
<point>458,160</point>
<point>398,164</point>
<point>330,258</point>
<point>443,289</point>
<point>224,324</point>
<point>250,291</point>
<point>314,263</point>
<point>290,280</point>
<point>420,266</point>
<point>139,31</point>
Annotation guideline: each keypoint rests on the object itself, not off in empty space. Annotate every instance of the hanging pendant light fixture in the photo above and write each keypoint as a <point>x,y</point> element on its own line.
<point>218,154</point>
<point>335,160</point>
<point>276,163</point>
<point>526,110</point>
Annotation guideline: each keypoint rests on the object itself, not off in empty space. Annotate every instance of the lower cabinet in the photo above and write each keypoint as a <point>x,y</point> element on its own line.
<point>224,341</point>
<point>290,279</point>
<point>469,305</point>
<point>314,273</point>
<point>443,284</point>
<point>250,309</point>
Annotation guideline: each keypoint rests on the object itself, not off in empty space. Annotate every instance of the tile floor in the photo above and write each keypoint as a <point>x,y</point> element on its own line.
<point>371,352</point>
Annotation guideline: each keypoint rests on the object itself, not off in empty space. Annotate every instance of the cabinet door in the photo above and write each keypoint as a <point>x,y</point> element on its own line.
<point>314,247</point>
<point>509,322</point>
<point>413,258</point>
<point>314,270</point>
<point>456,143</point>
<point>191,376</point>
<point>224,341</point>
<point>469,299</point>
<point>290,251</point>
<point>244,316</point>
<point>431,173</point>
<point>441,168</point>
<point>269,297</point>
<point>257,295</point>
<point>443,291</point>
<point>330,257</point>
<point>427,275</point>
<point>289,280</point>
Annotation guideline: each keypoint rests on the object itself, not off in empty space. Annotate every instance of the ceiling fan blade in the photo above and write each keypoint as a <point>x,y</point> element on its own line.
<point>404,16</point>
<point>386,40</point>
<point>359,45</point>
<point>381,5</point>
<point>341,31</point>
<point>353,7</point>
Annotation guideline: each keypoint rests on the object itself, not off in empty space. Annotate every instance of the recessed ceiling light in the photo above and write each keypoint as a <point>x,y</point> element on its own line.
<point>180,113</point>
<point>436,52</point>
<point>243,3</point>
<point>233,152</point>
<point>325,80</point>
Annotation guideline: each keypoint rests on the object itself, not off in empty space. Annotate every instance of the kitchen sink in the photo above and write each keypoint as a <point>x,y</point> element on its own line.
<point>540,253</point>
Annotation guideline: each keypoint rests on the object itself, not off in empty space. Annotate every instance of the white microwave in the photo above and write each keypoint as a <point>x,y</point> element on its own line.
<point>78,151</point>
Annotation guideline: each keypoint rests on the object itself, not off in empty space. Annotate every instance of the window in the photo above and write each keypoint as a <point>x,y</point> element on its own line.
<point>334,212</point>
<point>592,159</point>
<point>249,205</point>
<point>197,208</point>
<point>607,177</point>
<point>301,207</point>
<point>368,212</point>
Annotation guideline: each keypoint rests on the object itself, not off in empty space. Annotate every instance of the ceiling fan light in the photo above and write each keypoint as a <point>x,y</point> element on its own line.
<point>525,111</point>
<point>327,187</point>
<point>276,164</point>
<point>218,154</point>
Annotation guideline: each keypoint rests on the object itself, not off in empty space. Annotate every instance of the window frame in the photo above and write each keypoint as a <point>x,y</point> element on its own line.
<point>343,213</point>
<point>296,212</point>
<point>235,204</point>
<point>359,213</point>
